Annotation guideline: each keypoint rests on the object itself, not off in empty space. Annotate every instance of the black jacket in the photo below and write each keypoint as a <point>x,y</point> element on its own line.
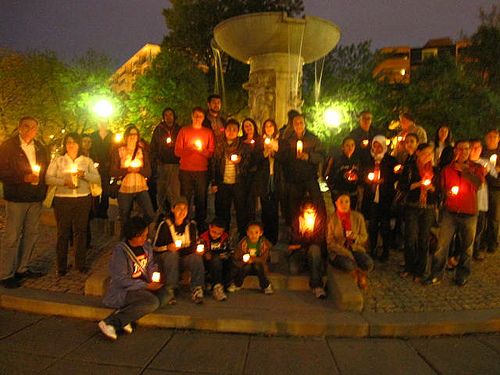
<point>222,152</point>
<point>14,166</point>
<point>162,152</point>
<point>386,186</point>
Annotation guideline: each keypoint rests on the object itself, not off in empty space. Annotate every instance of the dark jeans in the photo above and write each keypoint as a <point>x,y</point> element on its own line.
<point>168,186</point>
<point>137,304</point>
<point>225,196</point>
<point>312,255</point>
<point>466,227</point>
<point>480,233</point>
<point>171,262</point>
<point>101,204</point>
<point>418,223</point>
<point>195,184</point>
<point>72,216</point>
<point>126,203</point>
<point>361,261</point>
<point>379,218</point>
<point>270,216</point>
<point>492,234</point>
<point>252,268</point>
<point>220,270</point>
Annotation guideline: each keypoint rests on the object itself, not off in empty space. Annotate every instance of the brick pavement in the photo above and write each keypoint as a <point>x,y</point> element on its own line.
<point>387,291</point>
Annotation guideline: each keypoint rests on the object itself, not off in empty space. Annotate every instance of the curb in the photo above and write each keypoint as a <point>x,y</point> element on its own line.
<point>212,317</point>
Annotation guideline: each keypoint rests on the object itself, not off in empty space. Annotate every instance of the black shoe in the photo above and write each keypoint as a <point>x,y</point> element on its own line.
<point>61,273</point>
<point>27,275</point>
<point>460,281</point>
<point>431,281</point>
<point>10,283</point>
<point>384,257</point>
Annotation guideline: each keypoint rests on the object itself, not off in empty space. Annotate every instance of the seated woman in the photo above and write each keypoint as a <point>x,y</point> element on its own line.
<point>346,241</point>
<point>134,289</point>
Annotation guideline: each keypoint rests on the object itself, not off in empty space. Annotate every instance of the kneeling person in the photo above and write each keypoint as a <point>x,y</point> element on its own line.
<point>175,243</point>
<point>132,290</point>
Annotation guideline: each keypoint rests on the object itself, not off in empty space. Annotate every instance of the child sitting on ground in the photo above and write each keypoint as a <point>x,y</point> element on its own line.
<point>251,256</point>
<point>217,257</point>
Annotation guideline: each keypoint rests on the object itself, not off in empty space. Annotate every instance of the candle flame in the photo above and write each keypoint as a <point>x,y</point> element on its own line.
<point>156,277</point>
<point>246,257</point>
<point>198,144</point>
<point>234,157</point>
<point>426,182</point>
<point>73,169</point>
<point>397,168</point>
<point>455,190</point>
<point>365,142</point>
<point>200,248</point>
<point>371,176</point>
<point>135,163</point>
<point>300,146</point>
<point>178,243</point>
<point>169,140</point>
<point>267,141</point>
<point>36,169</point>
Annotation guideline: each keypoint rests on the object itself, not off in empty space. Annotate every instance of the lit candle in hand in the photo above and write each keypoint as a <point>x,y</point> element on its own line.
<point>252,141</point>
<point>198,144</point>
<point>135,163</point>
<point>493,160</point>
<point>74,177</point>
<point>178,243</point>
<point>300,147</point>
<point>371,176</point>
<point>397,168</point>
<point>200,248</point>
<point>246,258</point>
<point>365,143</point>
<point>454,190</point>
<point>169,140</point>
<point>234,157</point>
<point>156,277</point>
<point>36,171</point>
<point>267,141</point>
<point>427,182</point>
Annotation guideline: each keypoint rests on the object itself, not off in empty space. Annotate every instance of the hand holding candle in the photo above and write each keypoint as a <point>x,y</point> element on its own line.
<point>178,243</point>
<point>155,277</point>
<point>246,257</point>
<point>74,175</point>
<point>267,141</point>
<point>169,140</point>
<point>36,172</point>
<point>493,160</point>
<point>135,164</point>
<point>426,182</point>
<point>398,168</point>
<point>300,147</point>
<point>454,190</point>
<point>198,145</point>
<point>234,158</point>
<point>200,248</point>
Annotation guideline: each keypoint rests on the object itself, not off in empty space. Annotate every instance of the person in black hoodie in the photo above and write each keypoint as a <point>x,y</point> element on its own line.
<point>23,166</point>
<point>164,161</point>
<point>378,193</point>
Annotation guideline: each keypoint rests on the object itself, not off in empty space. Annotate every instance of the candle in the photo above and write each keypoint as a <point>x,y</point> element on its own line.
<point>493,160</point>
<point>351,175</point>
<point>348,233</point>
<point>178,243</point>
<point>118,137</point>
<point>234,157</point>
<point>169,140</point>
<point>200,248</point>
<point>198,144</point>
<point>400,138</point>
<point>310,219</point>
<point>371,176</point>
<point>96,165</point>
<point>454,190</point>
<point>135,163</point>
<point>156,277</point>
<point>267,141</point>
<point>397,168</point>
<point>252,141</point>
<point>74,177</point>
<point>427,182</point>
<point>300,147</point>
<point>246,258</point>
<point>36,169</point>
<point>365,143</point>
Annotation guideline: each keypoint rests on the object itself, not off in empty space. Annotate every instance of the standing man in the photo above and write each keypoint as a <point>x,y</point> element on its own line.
<point>23,164</point>
<point>407,126</point>
<point>460,181</point>
<point>213,119</point>
<point>164,160</point>
<point>195,146</point>
<point>491,152</point>
<point>100,152</point>
<point>363,135</point>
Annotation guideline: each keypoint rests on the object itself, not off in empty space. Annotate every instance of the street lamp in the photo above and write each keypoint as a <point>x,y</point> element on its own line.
<point>333,117</point>
<point>103,108</point>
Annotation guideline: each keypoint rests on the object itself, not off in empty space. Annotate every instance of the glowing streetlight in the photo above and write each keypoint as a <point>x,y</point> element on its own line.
<point>103,108</point>
<point>333,118</point>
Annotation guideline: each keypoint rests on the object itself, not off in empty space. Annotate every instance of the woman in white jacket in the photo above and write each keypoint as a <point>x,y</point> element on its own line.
<point>72,174</point>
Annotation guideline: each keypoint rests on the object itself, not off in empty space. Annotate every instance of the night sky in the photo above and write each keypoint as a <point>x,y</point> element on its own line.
<point>118,28</point>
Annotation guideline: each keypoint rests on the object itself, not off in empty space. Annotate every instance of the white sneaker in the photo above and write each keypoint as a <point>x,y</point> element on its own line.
<point>108,330</point>
<point>269,290</point>
<point>233,288</point>
<point>319,293</point>
<point>128,328</point>
<point>218,293</point>
<point>197,295</point>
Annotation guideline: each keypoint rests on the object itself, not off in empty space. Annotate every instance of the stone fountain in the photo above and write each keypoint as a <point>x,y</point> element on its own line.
<point>276,47</point>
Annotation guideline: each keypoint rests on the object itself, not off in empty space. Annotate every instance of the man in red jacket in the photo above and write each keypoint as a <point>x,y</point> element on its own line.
<point>195,146</point>
<point>459,182</point>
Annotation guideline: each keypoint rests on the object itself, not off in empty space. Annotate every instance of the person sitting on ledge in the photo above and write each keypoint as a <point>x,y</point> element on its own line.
<point>346,241</point>
<point>134,289</point>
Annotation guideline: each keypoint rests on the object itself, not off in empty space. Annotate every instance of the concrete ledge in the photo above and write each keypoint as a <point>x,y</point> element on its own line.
<point>344,291</point>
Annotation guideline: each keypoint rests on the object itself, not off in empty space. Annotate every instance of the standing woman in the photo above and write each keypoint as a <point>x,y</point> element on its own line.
<point>420,181</point>
<point>250,137</point>
<point>443,147</point>
<point>266,179</point>
<point>130,164</point>
<point>72,174</point>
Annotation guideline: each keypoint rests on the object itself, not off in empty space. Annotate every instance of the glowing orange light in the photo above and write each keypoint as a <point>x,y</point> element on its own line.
<point>135,163</point>
<point>156,277</point>
<point>246,258</point>
<point>252,141</point>
<point>169,140</point>
<point>454,190</point>
<point>493,159</point>
<point>200,248</point>
<point>300,147</point>
<point>234,157</point>
<point>178,243</point>
<point>198,144</point>
<point>365,142</point>
<point>371,176</point>
<point>397,168</point>
<point>427,182</point>
<point>36,169</point>
<point>267,141</point>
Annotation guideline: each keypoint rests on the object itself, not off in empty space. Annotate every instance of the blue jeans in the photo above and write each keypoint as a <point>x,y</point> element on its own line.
<point>21,234</point>
<point>137,304</point>
<point>252,268</point>
<point>219,270</point>
<point>465,225</point>
<point>361,260</point>
<point>195,184</point>
<point>418,223</point>
<point>314,260</point>
<point>172,261</point>
<point>126,203</point>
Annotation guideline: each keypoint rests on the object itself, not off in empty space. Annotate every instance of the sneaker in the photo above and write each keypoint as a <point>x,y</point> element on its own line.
<point>171,297</point>
<point>269,290</point>
<point>10,283</point>
<point>431,281</point>
<point>108,330</point>
<point>128,328</point>
<point>218,293</point>
<point>197,295</point>
<point>233,288</point>
<point>319,293</point>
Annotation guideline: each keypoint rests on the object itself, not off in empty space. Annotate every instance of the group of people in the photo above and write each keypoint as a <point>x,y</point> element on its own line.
<point>383,190</point>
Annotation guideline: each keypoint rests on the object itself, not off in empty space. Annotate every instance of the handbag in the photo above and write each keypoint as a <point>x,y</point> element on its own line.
<point>49,197</point>
<point>134,259</point>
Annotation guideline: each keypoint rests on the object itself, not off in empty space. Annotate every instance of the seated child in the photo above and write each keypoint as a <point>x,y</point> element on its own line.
<point>251,256</point>
<point>217,257</point>
<point>347,240</point>
<point>133,290</point>
<point>308,236</point>
<point>175,244</point>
